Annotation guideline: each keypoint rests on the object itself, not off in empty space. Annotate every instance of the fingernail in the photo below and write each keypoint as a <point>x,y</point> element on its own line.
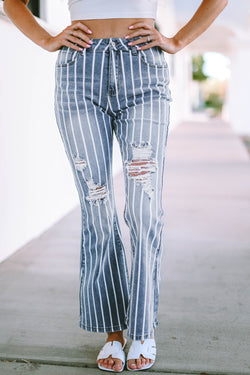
<point>80,49</point>
<point>91,42</point>
<point>126,37</point>
<point>88,45</point>
<point>131,27</point>
<point>129,44</point>
<point>90,31</point>
<point>138,47</point>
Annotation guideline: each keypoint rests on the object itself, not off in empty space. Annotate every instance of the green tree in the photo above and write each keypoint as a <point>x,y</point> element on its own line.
<point>197,68</point>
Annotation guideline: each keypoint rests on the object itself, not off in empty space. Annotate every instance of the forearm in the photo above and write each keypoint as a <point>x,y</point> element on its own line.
<point>202,19</point>
<point>20,15</point>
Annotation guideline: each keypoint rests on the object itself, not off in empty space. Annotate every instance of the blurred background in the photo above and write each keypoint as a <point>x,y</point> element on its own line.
<point>209,79</point>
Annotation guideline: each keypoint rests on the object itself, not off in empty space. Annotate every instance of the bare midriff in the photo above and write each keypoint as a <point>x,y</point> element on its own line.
<point>112,28</point>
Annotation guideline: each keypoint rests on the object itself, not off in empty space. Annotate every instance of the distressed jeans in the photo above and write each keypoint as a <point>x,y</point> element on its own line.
<point>114,89</point>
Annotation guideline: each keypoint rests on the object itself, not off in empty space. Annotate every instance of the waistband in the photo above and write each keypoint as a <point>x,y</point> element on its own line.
<point>116,44</point>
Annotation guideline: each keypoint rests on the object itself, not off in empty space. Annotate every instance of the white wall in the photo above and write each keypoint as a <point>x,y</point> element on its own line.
<point>179,65</point>
<point>239,88</point>
<point>36,186</point>
<point>55,13</point>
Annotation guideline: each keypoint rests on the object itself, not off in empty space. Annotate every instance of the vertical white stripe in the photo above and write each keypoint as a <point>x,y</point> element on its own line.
<point>132,193</point>
<point>132,119</point>
<point>97,261</point>
<point>148,248</point>
<point>147,315</point>
<point>110,213</point>
<point>140,240</point>
<point>124,139</point>
<point>113,67</point>
<point>126,100</point>
<point>119,106</point>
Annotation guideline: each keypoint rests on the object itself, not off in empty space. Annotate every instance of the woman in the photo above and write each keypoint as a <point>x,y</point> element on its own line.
<point>111,76</point>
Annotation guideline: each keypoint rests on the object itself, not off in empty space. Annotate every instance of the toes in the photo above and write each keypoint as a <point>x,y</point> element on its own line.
<point>139,363</point>
<point>102,362</point>
<point>147,361</point>
<point>132,364</point>
<point>118,365</point>
<point>110,363</point>
<point>106,363</point>
<point>143,361</point>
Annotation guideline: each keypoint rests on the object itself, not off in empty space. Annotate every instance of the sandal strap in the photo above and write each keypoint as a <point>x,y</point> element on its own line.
<point>147,349</point>
<point>113,348</point>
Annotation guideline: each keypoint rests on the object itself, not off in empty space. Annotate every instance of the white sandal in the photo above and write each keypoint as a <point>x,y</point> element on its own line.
<point>115,349</point>
<point>147,349</point>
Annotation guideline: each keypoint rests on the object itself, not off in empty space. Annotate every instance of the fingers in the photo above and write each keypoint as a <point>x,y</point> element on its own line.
<point>80,36</point>
<point>143,30</point>
<point>140,25</point>
<point>72,41</point>
<point>147,46</point>
<point>80,26</point>
<point>139,41</point>
<point>140,31</point>
<point>76,36</point>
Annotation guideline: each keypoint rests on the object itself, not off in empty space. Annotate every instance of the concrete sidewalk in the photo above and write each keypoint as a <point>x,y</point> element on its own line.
<point>205,294</point>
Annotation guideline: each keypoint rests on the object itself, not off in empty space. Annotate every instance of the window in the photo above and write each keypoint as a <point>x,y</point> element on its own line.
<point>34,6</point>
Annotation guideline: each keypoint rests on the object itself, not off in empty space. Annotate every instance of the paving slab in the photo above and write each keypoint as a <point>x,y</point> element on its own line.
<point>40,369</point>
<point>204,308</point>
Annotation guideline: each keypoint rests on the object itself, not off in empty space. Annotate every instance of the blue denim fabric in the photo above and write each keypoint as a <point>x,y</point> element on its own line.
<point>114,89</point>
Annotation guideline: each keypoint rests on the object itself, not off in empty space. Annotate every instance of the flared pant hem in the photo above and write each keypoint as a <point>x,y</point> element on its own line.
<point>119,328</point>
<point>103,329</point>
<point>143,336</point>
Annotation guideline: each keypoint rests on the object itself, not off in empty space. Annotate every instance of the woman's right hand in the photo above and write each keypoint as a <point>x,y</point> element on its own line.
<point>77,33</point>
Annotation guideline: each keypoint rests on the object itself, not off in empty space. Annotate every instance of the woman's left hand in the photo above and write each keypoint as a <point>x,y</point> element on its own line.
<point>148,34</point>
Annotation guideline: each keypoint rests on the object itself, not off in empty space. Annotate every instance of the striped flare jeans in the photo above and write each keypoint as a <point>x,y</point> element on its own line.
<point>112,88</point>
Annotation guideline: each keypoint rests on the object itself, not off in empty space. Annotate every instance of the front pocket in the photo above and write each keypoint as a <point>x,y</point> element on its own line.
<point>153,57</point>
<point>66,56</point>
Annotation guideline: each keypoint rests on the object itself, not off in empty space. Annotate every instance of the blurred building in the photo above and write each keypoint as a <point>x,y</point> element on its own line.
<point>229,35</point>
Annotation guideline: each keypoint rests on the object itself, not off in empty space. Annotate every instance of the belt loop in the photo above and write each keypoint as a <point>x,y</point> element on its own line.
<point>134,50</point>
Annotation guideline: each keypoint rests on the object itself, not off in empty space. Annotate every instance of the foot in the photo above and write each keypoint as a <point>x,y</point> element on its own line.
<point>139,363</point>
<point>113,363</point>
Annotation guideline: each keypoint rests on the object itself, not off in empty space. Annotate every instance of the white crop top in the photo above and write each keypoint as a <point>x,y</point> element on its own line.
<point>100,9</point>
